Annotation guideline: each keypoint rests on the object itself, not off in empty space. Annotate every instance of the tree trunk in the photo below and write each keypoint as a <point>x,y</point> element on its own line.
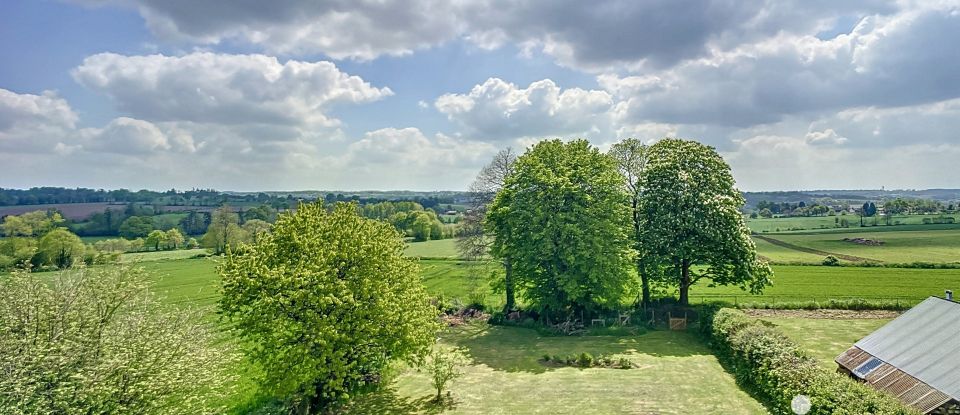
<point>508,284</point>
<point>685,282</point>
<point>645,285</point>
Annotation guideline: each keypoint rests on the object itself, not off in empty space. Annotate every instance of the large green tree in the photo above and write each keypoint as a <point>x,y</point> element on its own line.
<point>61,248</point>
<point>691,212</point>
<point>631,157</point>
<point>327,300</point>
<point>136,227</point>
<point>224,230</point>
<point>562,218</point>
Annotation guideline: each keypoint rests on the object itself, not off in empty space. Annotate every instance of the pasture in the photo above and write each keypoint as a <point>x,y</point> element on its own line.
<point>439,248</point>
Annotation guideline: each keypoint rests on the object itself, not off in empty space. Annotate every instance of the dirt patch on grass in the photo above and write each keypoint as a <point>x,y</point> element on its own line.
<point>824,314</point>
<point>863,241</point>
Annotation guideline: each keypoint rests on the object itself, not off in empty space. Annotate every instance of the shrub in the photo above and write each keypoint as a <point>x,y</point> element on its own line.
<point>585,360</point>
<point>766,361</point>
<point>546,357</point>
<point>831,304</point>
<point>96,341</point>
<point>445,366</point>
<point>831,261</point>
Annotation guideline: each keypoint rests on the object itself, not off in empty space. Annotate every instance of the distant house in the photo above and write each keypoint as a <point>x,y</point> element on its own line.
<point>915,357</point>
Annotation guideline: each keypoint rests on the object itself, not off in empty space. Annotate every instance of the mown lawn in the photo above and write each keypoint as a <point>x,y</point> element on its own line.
<point>676,375</point>
<point>824,338</point>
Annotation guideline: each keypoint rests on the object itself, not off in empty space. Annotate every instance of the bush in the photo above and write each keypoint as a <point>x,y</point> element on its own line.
<point>766,361</point>
<point>831,304</point>
<point>831,261</point>
<point>585,360</point>
<point>96,341</point>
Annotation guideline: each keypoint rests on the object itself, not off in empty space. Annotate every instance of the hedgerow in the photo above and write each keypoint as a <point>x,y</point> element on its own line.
<point>857,304</point>
<point>776,370</point>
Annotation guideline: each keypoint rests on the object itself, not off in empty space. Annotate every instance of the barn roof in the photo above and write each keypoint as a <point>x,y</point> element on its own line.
<point>923,342</point>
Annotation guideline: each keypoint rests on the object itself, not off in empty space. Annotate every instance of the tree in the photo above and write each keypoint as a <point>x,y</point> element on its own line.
<point>174,238</point>
<point>155,239</point>
<point>136,227</point>
<point>766,213</point>
<point>36,223</point>
<point>223,231</point>
<point>475,240</point>
<point>445,366</point>
<point>61,248</point>
<point>95,341</point>
<point>254,228</point>
<point>562,218</point>
<point>326,301</point>
<point>691,210</point>
<point>631,157</point>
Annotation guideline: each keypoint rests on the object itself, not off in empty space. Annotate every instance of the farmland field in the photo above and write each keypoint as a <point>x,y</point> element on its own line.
<point>761,225</point>
<point>896,247</point>
<point>440,248</point>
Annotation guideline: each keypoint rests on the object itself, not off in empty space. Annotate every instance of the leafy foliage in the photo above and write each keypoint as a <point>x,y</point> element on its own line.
<point>61,248</point>
<point>691,216</point>
<point>562,218</point>
<point>95,341</point>
<point>444,367</point>
<point>224,230</point>
<point>326,301</point>
<point>764,359</point>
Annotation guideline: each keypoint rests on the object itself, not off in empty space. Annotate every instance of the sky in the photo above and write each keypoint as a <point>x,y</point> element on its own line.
<point>419,94</point>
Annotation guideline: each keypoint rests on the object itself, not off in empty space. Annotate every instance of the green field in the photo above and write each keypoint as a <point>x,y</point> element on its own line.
<point>802,283</point>
<point>440,248</point>
<point>824,338</point>
<point>506,377</point>
<point>161,255</point>
<point>897,247</point>
<point>761,225</point>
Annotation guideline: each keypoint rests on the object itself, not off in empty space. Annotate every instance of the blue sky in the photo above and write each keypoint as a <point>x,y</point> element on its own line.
<point>420,94</point>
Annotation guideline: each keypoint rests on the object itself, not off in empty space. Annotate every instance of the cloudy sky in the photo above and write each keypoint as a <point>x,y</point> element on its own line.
<point>380,94</point>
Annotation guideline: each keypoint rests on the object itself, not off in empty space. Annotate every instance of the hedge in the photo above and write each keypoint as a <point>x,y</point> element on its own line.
<point>857,304</point>
<point>775,369</point>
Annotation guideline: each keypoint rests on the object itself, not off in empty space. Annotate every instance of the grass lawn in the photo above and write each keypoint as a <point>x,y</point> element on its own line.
<point>898,247</point>
<point>825,339</point>
<point>776,253</point>
<point>677,375</point>
<point>440,248</point>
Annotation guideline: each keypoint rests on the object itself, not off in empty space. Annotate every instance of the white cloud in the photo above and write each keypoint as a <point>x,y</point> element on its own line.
<point>498,110</point>
<point>223,88</point>
<point>33,123</point>
<point>827,136</point>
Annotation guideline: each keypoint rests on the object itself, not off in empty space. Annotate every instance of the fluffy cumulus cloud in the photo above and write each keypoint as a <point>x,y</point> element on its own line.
<point>34,123</point>
<point>498,110</point>
<point>223,88</point>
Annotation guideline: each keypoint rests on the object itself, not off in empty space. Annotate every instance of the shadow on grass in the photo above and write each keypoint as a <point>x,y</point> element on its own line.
<point>515,349</point>
<point>387,401</point>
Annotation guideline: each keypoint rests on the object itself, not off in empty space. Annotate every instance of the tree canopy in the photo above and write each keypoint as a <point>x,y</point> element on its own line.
<point>562,218</point>
<point>691,216</point>
<point>61,248</point>
<point>326,300</point>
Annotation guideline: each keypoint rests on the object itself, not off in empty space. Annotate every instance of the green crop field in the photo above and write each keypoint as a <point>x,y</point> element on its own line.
<point>161,255</point>
<point>802,283</point>
<point>772,225</point>
<point>825,338</point>
<point>440,248</point>
<point>896,247</point>
<point>506,377</point>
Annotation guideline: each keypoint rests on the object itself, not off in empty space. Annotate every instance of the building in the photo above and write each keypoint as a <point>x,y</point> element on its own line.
<point>915,357</point>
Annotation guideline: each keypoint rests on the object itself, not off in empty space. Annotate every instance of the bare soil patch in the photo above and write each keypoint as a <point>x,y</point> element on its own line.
<point>824,314</point>
<point>864,241</point>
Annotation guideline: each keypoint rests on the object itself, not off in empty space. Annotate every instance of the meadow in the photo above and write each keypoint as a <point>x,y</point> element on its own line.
<point>783,224</point>
<point>941,245</point>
